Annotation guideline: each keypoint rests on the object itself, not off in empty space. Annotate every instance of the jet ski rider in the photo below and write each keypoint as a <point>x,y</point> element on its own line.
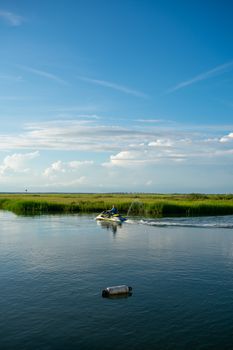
<point>113,211</point>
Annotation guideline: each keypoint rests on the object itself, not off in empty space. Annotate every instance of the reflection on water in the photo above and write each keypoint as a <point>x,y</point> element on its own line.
<point>120,296</point>
<point>112,226</point>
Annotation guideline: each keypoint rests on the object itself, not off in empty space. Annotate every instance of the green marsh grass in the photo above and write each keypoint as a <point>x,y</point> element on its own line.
<point>153,205</point>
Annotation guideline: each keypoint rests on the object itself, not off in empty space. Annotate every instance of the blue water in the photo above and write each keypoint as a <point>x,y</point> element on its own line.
<point>53,269</point>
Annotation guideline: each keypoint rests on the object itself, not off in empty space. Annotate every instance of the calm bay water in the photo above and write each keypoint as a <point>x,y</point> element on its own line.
<point>53,269</point>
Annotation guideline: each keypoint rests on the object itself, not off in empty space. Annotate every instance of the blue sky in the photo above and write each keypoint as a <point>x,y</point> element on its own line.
<point>100,96</point>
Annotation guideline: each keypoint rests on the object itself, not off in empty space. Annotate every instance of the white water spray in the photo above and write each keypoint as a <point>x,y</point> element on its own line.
<point>136,207</point>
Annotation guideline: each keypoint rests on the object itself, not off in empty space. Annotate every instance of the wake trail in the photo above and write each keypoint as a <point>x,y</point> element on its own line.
<point>179,224</point>
<point>197,222</point>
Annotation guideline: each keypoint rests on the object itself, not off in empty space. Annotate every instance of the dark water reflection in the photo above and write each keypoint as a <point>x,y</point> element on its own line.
<point>53,269</point>
<point>111,226</point>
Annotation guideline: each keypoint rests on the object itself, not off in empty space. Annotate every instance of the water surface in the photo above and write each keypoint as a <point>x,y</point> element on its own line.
<point>53,269</point>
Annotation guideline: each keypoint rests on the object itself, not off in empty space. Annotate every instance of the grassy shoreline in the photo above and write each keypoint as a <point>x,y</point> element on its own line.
<point>153,205</point>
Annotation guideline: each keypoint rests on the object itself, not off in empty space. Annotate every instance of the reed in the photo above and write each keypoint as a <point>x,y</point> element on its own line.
<point>153,205</point>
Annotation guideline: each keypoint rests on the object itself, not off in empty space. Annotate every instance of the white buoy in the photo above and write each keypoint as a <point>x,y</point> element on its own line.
<point>116,290</point>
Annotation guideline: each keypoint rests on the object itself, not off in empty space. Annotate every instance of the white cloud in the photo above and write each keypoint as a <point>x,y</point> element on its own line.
<point>11,19</point>
<point>227,138</point>
<point>145,157</point>
<point>17,162</point>
<point>127,159</point>
<point>59,167</point>
<point>161,143</point>
<point>55,168</point>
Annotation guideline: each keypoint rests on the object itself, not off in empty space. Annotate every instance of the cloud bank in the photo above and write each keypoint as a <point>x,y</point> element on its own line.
<point>144,154</point>
<point>122,144</point>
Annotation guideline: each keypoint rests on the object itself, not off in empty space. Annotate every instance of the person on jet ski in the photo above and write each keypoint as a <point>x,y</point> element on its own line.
<point>113,211</point>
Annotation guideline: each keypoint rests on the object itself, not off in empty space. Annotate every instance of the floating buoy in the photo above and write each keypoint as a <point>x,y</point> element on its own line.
<point>116,290</point>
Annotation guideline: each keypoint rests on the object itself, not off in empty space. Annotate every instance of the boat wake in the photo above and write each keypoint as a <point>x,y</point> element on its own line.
<point>198,222</point>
